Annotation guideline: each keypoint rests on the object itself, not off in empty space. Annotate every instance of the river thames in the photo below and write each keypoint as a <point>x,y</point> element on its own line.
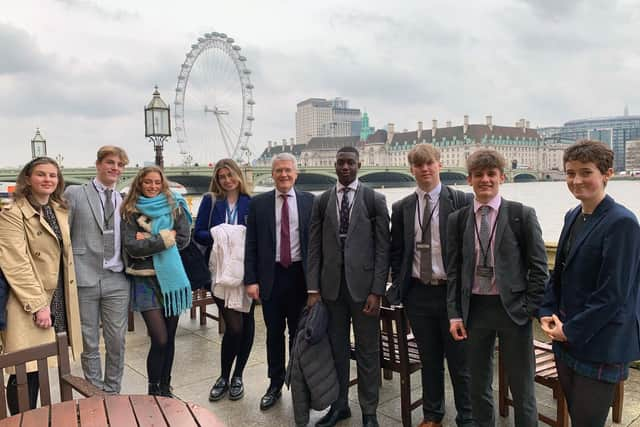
<point>551,200</point>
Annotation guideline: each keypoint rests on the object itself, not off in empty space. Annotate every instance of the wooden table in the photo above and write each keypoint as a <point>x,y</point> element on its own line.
<point>118,411</point>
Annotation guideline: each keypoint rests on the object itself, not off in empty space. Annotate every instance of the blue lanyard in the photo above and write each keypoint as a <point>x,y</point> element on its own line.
<point>232,215</point>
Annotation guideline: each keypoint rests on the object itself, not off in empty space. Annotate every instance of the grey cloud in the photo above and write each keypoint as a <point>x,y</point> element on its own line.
<point>92,7</point>
<point>19,51</point>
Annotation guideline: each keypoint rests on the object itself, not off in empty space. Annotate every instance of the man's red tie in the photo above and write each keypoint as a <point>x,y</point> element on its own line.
<point>285,238</point>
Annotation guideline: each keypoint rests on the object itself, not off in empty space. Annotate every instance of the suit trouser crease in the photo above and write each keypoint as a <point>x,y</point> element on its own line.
<point>426,310</point>
<point>107,302</point>
<point>343,312</point>
<point>488,320</point>
<point>282,310</point>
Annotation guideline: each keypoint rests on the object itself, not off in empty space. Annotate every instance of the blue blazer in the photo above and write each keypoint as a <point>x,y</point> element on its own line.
<point>595,290</point>
<point>201,230</point>
<point>260,245</point>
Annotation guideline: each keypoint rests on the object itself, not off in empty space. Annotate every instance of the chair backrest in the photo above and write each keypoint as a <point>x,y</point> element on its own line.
<point>394,332</point>
<point>39,354</point>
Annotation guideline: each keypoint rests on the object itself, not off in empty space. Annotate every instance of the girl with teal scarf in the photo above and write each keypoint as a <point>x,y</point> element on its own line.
<point>156,226</point>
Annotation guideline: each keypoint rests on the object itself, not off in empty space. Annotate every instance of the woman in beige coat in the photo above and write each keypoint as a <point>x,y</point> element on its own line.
<point>36,258</point>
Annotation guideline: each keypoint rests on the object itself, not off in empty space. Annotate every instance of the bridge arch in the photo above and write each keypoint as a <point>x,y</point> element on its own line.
<point>453,177</point>
<point>381,178</point>
<point>524,177</point>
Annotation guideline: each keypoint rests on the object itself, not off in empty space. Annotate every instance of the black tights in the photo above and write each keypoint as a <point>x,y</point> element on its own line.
<point>162,331</point>
<point>237,340</point>
<point>588,399</point>
<point>33,383</point>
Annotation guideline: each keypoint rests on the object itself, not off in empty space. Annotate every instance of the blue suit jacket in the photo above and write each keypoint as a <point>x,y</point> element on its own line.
<point>202,228</point>
<point>594,291</point>
<point>260,244</point>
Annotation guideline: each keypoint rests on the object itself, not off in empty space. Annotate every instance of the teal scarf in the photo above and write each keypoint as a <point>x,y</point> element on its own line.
<point>174,283</point>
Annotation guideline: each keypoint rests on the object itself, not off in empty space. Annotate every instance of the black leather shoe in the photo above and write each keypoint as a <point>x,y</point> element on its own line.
<point>218,390</point>
<point>236,388</point>
<point>332,417</point>
<point>370,421</point>
<point>270,398</point>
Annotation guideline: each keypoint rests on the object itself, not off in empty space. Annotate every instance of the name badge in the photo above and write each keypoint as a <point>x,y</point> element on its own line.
<point>422,246</point>
<point>484,271</point>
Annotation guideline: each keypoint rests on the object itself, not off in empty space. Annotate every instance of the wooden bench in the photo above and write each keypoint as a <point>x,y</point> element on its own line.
<point>547,375</point>
<point>200,298</point>
<point>40,354</point>
<point>398,353</point>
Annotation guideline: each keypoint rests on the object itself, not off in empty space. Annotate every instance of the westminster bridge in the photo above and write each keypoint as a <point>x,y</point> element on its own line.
<point>196,179</point>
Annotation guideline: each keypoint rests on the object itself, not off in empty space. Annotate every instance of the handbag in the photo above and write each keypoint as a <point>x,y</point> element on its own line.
<point>194,261</point>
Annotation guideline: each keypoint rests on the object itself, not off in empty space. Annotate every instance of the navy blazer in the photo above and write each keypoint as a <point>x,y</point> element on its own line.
<point>594,291</point>
<point>260,244</point>
<point>202,228</point>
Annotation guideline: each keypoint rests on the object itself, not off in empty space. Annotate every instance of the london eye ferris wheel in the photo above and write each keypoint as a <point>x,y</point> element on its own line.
<point>213,107</point>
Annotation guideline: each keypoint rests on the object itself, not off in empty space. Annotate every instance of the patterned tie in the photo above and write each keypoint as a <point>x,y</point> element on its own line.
<point>485,282</point>
<point>285,238</point>
<point>109,249</point>
<point>425,253</point>
<point>344,211</point>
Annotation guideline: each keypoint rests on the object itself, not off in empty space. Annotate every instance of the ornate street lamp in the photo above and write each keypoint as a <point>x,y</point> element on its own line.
<point>38,145</point>
<point>157,124</point>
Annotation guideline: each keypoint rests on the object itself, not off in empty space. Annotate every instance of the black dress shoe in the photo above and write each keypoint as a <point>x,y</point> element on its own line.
<point>332,417</point>
<point>219,389</point>
<point>370,421</point>
<point>236,388</point>
<point>270,398</point>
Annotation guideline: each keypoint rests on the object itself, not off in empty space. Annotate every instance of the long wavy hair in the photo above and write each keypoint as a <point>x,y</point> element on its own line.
<point>135,191</point>
<point>216,189</point>
<point>23,188</point>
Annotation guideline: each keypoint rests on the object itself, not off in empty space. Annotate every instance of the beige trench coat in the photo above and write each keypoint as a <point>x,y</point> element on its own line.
<point>30,259</point>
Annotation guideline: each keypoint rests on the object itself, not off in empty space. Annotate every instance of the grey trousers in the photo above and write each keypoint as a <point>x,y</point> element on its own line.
<point>488,319</point>
<point>108,302</point>
<point>366,329</point>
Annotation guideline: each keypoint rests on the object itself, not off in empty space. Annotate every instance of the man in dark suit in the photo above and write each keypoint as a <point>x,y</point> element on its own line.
<point>275,254</point>
<point>496,268</point>
<point>418,260</point>
<point>348,266</point>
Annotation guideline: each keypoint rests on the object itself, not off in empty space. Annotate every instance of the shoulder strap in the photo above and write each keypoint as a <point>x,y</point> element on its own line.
<point>369,202</point>
<point>456,197</point>
<point>323,201</point>
<point>213,205</point>
<point>516,223</point>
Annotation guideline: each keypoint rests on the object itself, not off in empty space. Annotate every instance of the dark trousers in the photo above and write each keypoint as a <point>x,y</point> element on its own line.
<point>366,329</point>
<point>427,312</point>
<point>282,309</point>
<point>33,386</point>
<point>488,319</point>
<point>588,399</point>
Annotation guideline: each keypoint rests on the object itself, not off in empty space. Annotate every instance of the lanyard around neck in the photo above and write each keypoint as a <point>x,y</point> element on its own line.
<point>485,251</point>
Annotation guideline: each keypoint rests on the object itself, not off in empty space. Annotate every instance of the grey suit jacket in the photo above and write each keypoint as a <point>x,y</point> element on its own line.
<point>520,272</point>
<point>403,218</point>
<point>366,252</point>
<point>85,222</point>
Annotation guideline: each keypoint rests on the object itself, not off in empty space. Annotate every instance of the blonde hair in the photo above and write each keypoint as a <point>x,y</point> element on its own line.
<point>423,153</point>
<point>23,189</point>
<point>216,189</point>
<point>135,191</point>
<point>108,150</point>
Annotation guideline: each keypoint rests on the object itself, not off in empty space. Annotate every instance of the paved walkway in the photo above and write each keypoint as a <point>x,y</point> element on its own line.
<point>197,364</point>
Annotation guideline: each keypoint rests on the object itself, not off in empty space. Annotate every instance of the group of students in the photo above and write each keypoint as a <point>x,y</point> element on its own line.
<point>467,267</point>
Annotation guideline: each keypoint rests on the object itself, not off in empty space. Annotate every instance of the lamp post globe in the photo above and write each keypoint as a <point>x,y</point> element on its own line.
<point>38,145</point>
<point>157,124</point>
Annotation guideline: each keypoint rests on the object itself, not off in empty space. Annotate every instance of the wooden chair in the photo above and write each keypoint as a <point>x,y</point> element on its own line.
<point>398,353</point>
<point>68,382</point>
<point>547,375</point>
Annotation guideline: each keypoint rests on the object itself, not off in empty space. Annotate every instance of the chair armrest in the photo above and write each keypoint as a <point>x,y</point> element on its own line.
<point>83,386</point>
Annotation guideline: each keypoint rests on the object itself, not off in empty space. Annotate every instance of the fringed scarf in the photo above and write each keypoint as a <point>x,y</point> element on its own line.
<point>174,283</point>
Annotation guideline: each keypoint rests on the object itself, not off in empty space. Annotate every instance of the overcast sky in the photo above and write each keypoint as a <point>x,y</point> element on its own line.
<point>82,70</point>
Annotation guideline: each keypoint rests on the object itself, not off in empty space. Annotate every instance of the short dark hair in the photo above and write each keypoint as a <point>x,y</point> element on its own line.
<point>586,151</point>
<point>484,159</point>
<point>349,149</point>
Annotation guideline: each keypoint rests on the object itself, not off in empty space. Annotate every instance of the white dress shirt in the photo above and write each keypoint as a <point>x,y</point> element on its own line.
<point>294,228</point>
<point>114,264</point>
<point>437,264</point>
<point>353,187</point>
